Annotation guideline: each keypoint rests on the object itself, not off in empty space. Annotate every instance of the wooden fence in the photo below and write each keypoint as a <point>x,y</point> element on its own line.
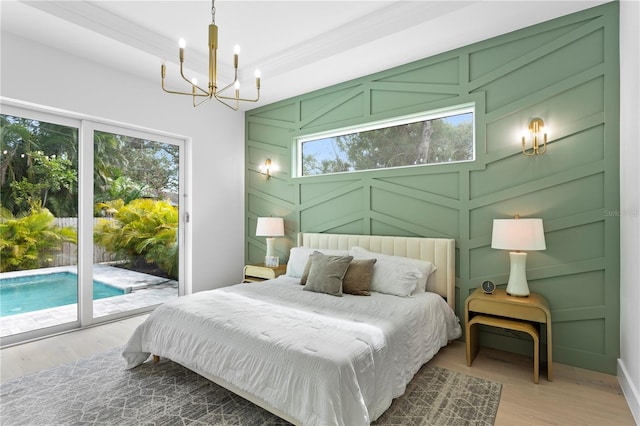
<point>69,253</point>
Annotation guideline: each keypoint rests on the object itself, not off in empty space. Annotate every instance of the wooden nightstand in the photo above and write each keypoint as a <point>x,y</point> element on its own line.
<point>256,273</point>
<point>510,312</point>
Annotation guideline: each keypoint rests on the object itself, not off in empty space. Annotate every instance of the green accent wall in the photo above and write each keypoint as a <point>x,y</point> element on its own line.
<point>564,71</point>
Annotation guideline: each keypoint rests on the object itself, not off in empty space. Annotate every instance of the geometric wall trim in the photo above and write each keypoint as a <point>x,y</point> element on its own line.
<point>564,71</point>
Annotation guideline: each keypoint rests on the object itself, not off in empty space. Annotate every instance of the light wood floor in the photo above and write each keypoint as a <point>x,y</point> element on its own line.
<point>575,397</point>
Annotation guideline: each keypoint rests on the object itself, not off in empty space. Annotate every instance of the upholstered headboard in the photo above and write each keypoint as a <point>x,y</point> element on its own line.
<point>439,251</point>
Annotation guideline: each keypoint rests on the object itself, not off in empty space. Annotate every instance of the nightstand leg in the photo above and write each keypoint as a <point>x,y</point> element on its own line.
<point>549,352</point>
<point>536,358</point>
<point>472,342</point>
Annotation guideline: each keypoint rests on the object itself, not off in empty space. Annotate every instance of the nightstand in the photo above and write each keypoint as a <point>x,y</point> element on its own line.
<point>525,314</point>
<point>256,273</point>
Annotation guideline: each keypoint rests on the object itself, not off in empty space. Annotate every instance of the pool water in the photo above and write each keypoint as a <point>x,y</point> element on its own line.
<point>33,293</point>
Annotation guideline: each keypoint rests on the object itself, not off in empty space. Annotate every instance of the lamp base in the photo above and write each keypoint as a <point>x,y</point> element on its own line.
<point>270,258</point>
<point>518,285</point>
<point>270,247</point>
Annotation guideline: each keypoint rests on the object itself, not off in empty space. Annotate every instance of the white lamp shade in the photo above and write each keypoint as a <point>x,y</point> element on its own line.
<point>518,234</point>
<point>270,227</point>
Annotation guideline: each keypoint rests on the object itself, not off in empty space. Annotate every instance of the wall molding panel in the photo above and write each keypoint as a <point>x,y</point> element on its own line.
<point>565,71</point>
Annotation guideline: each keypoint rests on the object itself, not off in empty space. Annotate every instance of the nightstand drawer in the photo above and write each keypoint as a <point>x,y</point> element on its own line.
<point>496,307</point>
<point>259,272</point>
<point>254,273</point>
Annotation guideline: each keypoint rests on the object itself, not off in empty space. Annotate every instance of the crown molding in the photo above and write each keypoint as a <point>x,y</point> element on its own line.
<point>367,29</point>
<point>89,15</point>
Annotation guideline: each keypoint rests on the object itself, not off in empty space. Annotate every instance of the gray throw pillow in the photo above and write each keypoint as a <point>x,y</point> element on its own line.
<point>326,273</point>
<point>357,280</point>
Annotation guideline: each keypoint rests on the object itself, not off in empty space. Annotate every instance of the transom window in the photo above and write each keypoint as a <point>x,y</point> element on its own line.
<point>435,137</point>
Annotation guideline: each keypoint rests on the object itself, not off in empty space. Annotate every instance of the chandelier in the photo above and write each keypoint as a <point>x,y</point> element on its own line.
<point>198,93</point>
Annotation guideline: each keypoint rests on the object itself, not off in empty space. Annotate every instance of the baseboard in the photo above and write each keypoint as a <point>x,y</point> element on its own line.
<point>631,393</point>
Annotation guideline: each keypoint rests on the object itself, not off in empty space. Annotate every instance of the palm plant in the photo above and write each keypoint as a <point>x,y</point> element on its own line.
<point>28,241</point>
<point>142,230</point>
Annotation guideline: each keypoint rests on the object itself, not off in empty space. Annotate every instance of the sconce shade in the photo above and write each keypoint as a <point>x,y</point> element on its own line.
<point>268,167</point>
<point>270,227</point>
<point>518,234</point>
<point>537,132</point>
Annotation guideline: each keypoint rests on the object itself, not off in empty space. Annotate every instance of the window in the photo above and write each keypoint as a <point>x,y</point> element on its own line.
<point>443,136</point>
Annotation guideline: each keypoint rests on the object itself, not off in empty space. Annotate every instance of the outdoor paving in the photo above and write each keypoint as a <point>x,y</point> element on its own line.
<point>142,290</point>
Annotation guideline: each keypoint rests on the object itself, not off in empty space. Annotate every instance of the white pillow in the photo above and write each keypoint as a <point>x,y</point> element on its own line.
<point>299,256</point>
<point>400,276</point>
<point>427,268</point>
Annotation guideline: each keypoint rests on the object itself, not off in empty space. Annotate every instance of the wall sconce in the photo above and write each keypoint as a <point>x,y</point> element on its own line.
<point>267,168</point>
<point>538,135</point>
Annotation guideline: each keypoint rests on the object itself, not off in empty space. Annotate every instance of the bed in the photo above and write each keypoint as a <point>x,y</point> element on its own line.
<point>308,356</point>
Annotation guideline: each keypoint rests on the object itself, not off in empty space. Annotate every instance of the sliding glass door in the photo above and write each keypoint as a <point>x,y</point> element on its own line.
<point>136,215</point>
<point>90,223</point>
<point>38,222</point>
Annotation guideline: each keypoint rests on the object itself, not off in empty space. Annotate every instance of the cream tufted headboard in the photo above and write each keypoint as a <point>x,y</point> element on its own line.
<point>439,251</point>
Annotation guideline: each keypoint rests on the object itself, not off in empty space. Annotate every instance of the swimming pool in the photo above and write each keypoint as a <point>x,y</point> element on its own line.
<point>35,292</point>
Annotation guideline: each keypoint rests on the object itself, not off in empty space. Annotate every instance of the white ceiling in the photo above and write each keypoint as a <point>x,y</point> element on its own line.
<point>299,46</point>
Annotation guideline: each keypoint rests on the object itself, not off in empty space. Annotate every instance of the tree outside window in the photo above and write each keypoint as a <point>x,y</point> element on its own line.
<point>444,137</point>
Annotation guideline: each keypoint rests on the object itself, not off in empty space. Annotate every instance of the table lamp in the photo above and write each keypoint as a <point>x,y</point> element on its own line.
<point>517,235</point>
<point>270,227</point>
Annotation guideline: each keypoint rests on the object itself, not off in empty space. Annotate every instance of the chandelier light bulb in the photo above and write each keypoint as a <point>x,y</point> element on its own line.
<point>237,85</point>
<point>182,43</point>
<point>194,81</point>
<point>236,49</point>
<point>257,73</point>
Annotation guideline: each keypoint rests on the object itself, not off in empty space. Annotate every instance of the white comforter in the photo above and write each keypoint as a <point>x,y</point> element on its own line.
<point>323,360</point>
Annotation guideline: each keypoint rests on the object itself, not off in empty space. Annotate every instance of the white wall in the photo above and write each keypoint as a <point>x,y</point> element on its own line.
<point>34,73</point>
<point>629,362</point>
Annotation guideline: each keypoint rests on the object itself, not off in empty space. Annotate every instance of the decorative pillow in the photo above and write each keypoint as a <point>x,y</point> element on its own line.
<point>394,274</point>
<point>326,273</point>
<point>357,280</point>
<point>426,268</point>
<point>299,256</point>
<point>305,274</point>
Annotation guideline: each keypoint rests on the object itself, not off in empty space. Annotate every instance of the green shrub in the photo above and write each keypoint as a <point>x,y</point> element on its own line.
<point>29,241</point>
<point>142,229</point>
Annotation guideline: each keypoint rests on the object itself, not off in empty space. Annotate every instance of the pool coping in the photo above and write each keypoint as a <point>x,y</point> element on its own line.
<point>120,278</point>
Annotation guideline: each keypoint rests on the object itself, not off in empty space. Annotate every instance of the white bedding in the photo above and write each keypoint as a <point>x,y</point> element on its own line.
<point>321,359</point>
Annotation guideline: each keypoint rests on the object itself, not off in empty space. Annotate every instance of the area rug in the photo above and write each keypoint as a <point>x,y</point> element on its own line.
<point>99,391</point>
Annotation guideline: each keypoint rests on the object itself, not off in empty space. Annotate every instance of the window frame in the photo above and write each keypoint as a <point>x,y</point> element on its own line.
<point>465,108</point>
